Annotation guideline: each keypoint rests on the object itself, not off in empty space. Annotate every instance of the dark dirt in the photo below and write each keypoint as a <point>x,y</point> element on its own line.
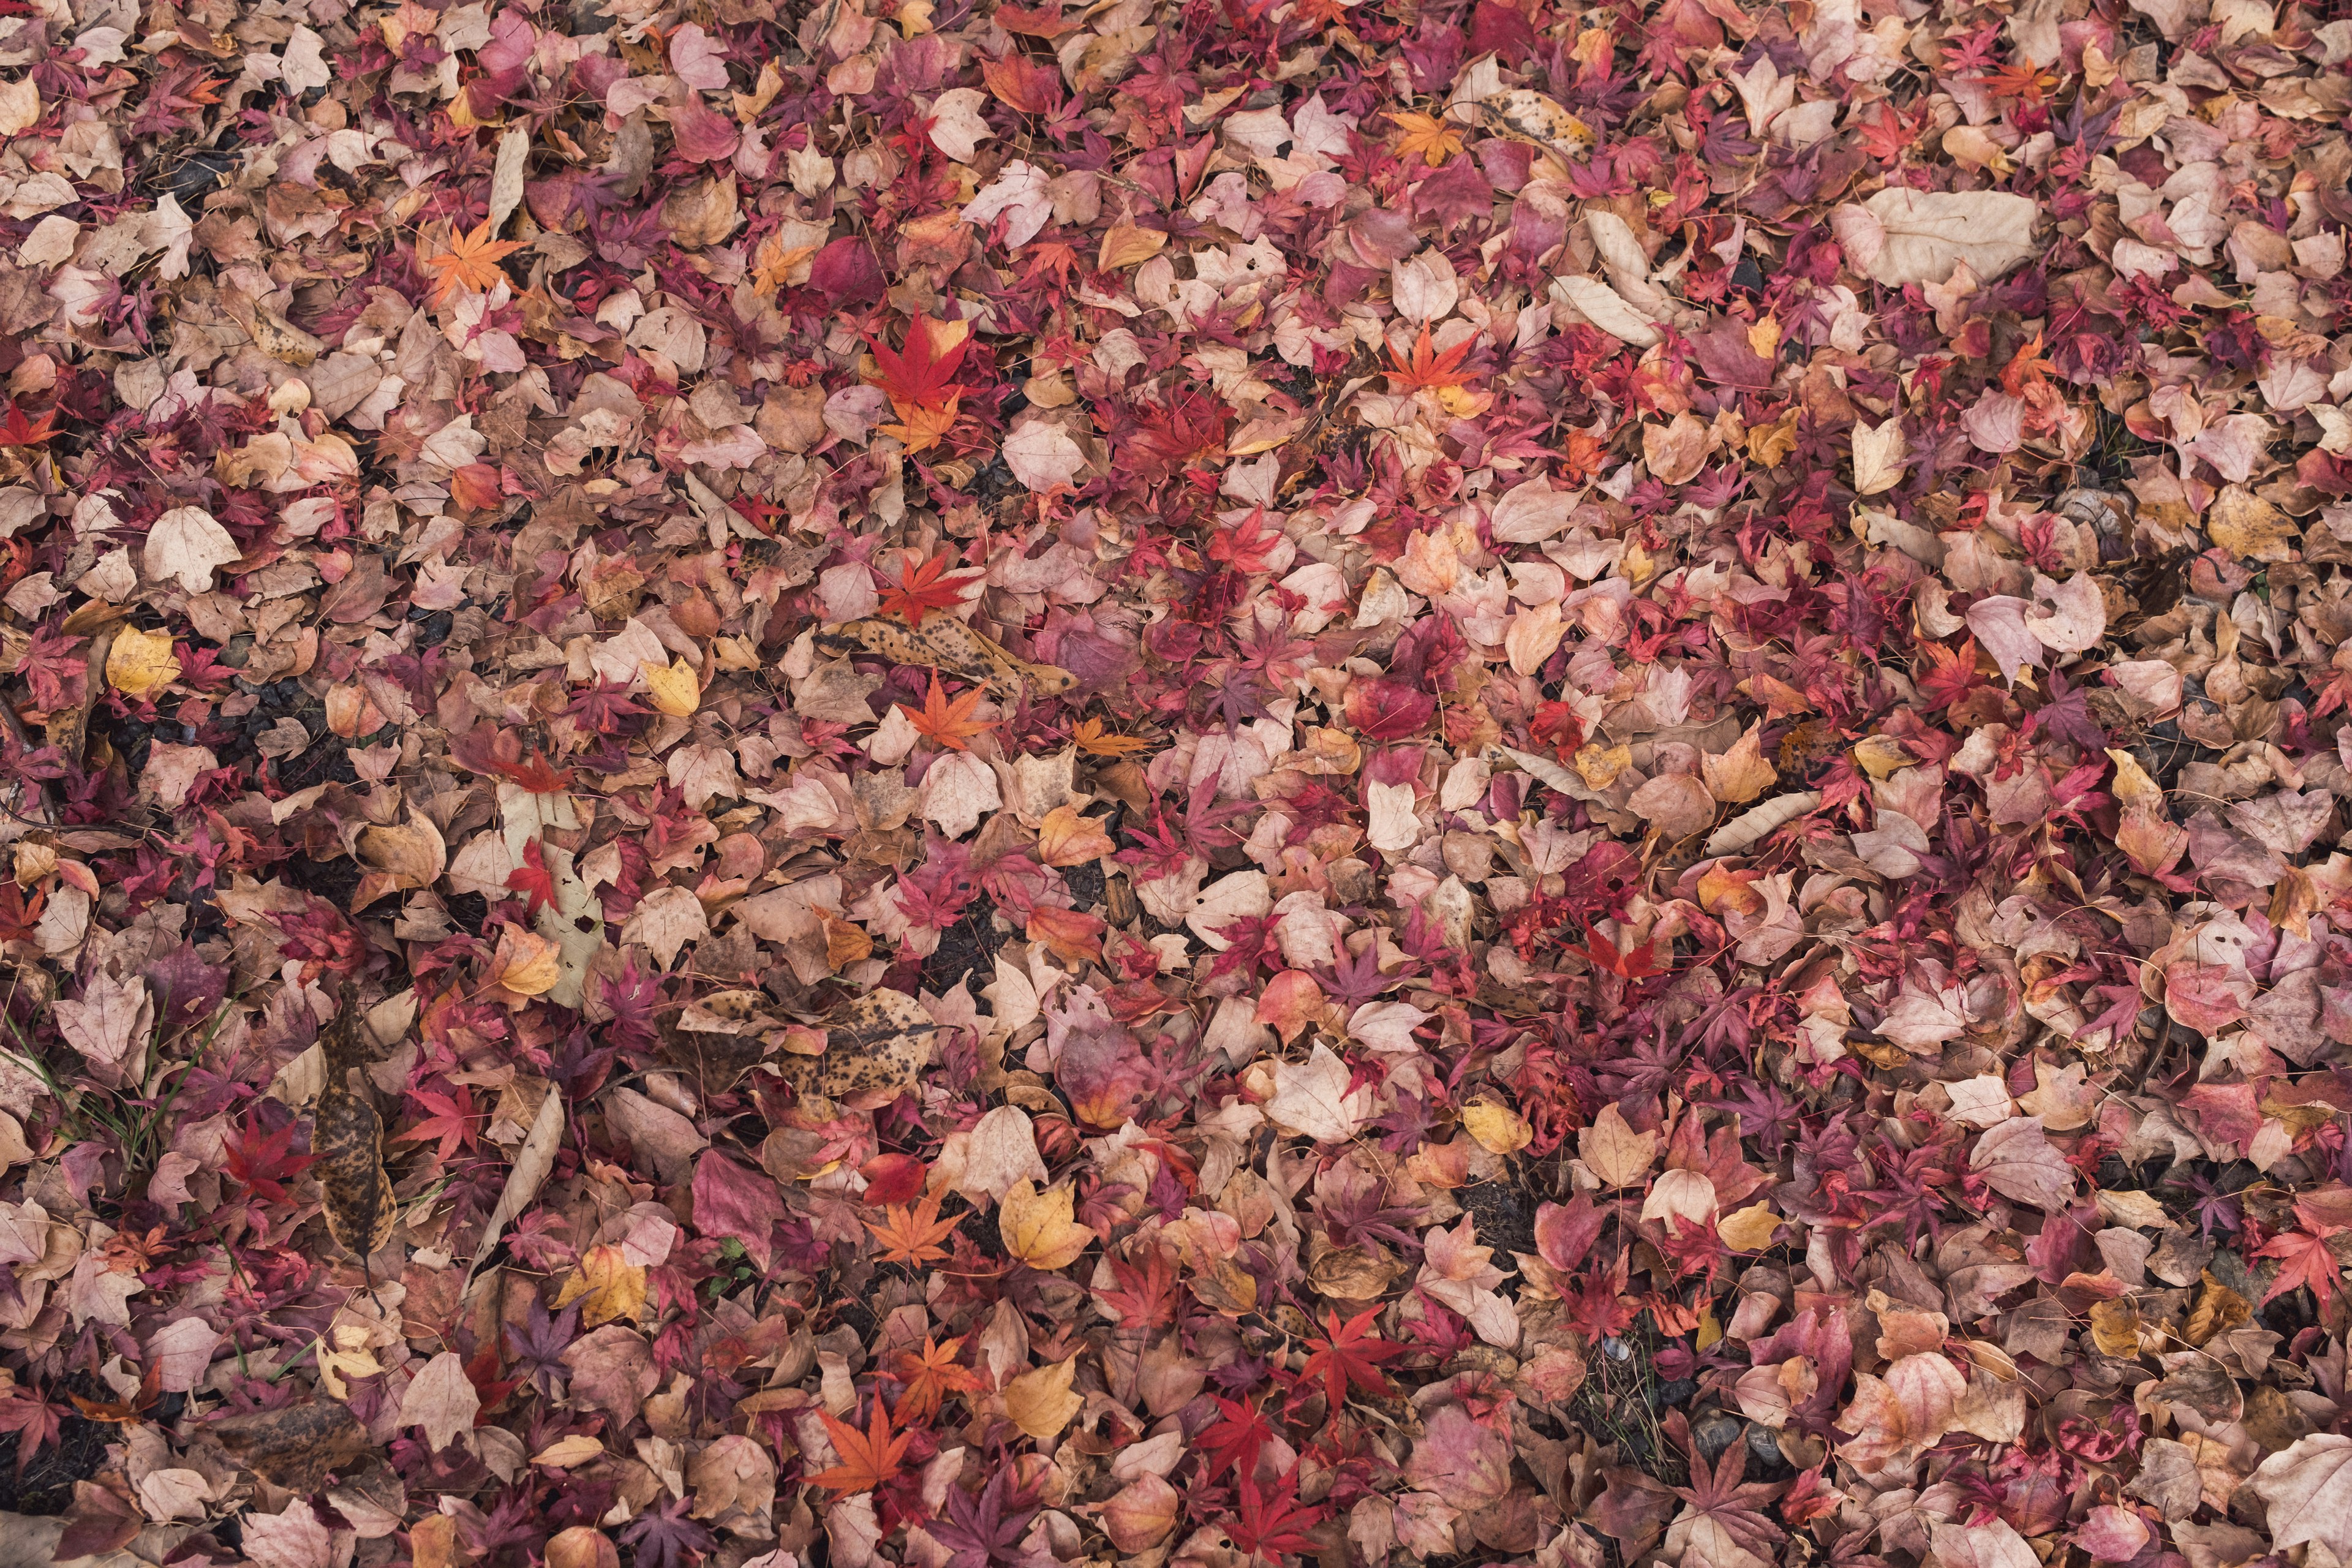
<point>969,945</point>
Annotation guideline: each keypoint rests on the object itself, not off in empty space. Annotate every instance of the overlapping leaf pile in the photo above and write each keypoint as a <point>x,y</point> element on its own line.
<point>981,785</point>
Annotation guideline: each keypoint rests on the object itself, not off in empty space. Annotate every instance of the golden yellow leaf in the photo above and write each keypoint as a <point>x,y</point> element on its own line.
<point>1498,1129</point>
<point>1749,1229</point>
<point>1040,1402</point>
<point>141,664</point>
<point>1124,244</point>
<point>676,690</point>
<point>529,964</point>
<point>609,1287</point>
<point>1039,1229</point>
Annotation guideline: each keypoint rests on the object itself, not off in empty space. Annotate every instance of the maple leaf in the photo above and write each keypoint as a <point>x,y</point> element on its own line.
<point>1095,740</point>
<point>34,1419</point>
<point>1349,1356</point>
<point>1736,1506</point>
<point>2025,82</point>
<point>470,265</point>
<point>920,429</point>
<point>1145,1296</point>
<point>911,1236</point>
<point>1232,1442</point>
<point>262,1163</point>
<point>668,1537</point>
<point>533,878</point>
<point>869,1459</point>
<point>922,588</point>
<point>1428,369</point>
<point>1632,963</point>
<point>2304,1259</point>
<point>452,1119</point>
<point>1273,1523</point>
<point>1425,136</point>
<point>929,1375</point>
<point>917,376</point>
<point>987,1530</point>
<point>949,723</point>
<point>15,430</point>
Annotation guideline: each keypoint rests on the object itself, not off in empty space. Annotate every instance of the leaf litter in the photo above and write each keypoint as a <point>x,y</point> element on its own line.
<point>993,784</point>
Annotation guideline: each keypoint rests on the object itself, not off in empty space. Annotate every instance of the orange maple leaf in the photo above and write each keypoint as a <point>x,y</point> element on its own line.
<point>911,1236</point>
<point>1434,140</point>
<point>1095,742</point>
<point>949,723</point>
<point>922,428</point>
<point>930,1374</point>
<point>1428,368</point>
<point>869,1459</point>
<point>470,265</point>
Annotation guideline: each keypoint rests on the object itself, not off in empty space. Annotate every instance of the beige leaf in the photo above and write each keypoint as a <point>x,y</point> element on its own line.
<point>186,543</point>
<point>2308,1489</point>
<point>999,1151</point>
<point>20,106</point>
<point>507,175</point>
<point>957,128</point>
<point>1880,455</point>
<point>665,920</point>
<point>1606,309</point>
<point>441,1400</point>
<point>1930,233</point>
<point>1312,1097</point>
<point>1613,1151</point>
<point>569,1453</point>
<point>1681,1195</point>
<point>1677,804</point>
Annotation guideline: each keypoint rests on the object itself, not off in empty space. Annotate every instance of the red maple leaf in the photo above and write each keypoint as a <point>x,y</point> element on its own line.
<point>261,1163</point>
<point>452,1119</point>
<point>1273,1523</point>
<point>15,430</point>
<point>1950,673</point>
<point>1248,545</point>
<point>1349,1356</point>
<point>1632,963</point>
<point>921,589</point>
<point>1233,1441</point>
<point>1145,1296</point>
<point>533,879</point>
<point>2304,1259</point>
<point>918,376</point>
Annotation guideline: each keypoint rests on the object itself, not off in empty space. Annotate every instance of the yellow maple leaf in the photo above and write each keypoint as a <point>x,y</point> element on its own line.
<point>1039,1229</point>
<point>1433,139</point>
<point>470,265</point>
